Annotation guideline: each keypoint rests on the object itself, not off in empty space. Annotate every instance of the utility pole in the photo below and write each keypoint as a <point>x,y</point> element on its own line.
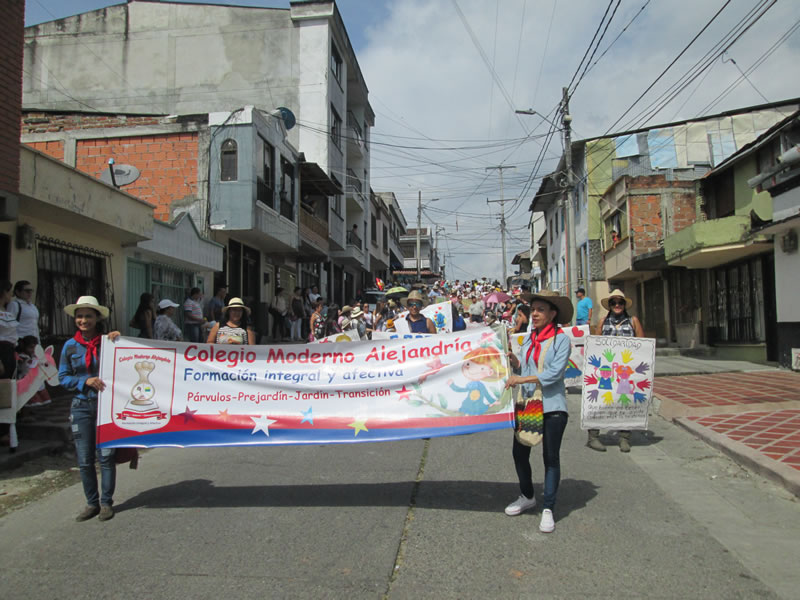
<point>419,226</point>
<point>566,120</point>
<point>502,202</point>
<point>436,246</point>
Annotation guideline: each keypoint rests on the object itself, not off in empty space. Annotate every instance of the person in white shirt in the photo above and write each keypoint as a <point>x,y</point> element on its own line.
<point>24,310</point>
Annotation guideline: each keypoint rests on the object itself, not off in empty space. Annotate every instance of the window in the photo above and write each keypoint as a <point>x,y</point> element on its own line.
<point>563,217</point>
<point>287,189</point>
<point>550,229</point>
<point>265,182</point>
<point>385,239</point>
<point>616,226</point>
<point>374,230</point>
<point>336,63</point>
<point>336,201</point>
<point>228,161</point>
<point>336,128</point>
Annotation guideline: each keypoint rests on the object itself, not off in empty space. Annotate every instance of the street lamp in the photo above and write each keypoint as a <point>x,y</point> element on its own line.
<point>530,111</point>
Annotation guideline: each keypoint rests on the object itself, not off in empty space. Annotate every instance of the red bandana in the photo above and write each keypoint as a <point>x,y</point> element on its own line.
<point>92,347</point>
<point>537,337</point>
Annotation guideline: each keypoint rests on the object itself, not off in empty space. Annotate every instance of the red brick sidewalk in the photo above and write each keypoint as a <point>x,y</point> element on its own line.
<point>753,417</point>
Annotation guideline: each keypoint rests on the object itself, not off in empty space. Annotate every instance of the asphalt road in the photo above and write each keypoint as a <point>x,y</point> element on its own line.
<point>420,519</point>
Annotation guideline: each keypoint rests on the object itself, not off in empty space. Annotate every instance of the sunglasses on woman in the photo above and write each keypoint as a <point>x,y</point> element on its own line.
<point>417,304</point>
<point>617,303</point>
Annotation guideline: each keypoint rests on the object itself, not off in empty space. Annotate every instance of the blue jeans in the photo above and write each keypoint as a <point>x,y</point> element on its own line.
<point>193,332</point>
<point>83,417</point>
<point>554,425</point>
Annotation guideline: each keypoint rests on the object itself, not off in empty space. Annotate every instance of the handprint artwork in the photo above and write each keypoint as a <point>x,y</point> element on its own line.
<point>617,382</point>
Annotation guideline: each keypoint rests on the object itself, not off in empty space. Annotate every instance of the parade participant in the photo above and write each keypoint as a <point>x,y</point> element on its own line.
<point>458,321</point>
<point>234,327</point>
<point>357,322</point>
<point>8,332</point>
<point>26,360</point>
<point>24,310</point>
<point>144,316</point>
<point>332,320</point>
<point>344,314</point>
<point>617,323</point>
<point>296,315</point>
<point>193,316</point>
<point>523,318</point>
<point>417,322</point>
<point>543,359</point>
<point>214,306</point>
<point>78,372</point>
<point>164,327</point>
<point>583,309</point>
<point>278,310</point>
<point>317,322</point>
<point>476,310</point>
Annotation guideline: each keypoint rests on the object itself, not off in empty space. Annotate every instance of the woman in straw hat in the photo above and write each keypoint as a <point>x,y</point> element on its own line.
<point>78,372</point>
<point>235,328</point>
<point>543,359</point>
<point>618,323</point>
<point>417,322</point>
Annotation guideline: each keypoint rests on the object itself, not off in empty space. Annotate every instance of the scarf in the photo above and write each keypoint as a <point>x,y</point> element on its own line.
<point>92,347</point>
<point>537,337</point>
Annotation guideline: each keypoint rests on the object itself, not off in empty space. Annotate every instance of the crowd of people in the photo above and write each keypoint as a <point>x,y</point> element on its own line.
<point>538,369</point>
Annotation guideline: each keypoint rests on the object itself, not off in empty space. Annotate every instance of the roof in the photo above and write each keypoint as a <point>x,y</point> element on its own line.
<point>311,173</point>
<point>526,255</point>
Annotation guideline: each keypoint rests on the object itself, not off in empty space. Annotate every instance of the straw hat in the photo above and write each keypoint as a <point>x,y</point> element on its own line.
<point>346,309</point>
<point>236,303</point>
<point>562,304</point>
<point>617,293</point>
<point>415,295</point>
<point>356,312</point>
<point>87,302</point>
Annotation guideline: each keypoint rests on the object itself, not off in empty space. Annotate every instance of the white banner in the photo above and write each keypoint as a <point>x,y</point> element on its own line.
<point>617,382</point>
<point>181,394</point>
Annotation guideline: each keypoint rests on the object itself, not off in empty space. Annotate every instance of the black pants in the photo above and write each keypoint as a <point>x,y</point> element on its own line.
<point>554,425</point>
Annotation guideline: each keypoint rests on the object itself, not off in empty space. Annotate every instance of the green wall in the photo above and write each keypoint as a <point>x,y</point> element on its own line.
<point>747,198</point>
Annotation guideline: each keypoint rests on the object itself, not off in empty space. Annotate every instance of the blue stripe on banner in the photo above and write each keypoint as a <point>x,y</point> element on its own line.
<point>243,437</point>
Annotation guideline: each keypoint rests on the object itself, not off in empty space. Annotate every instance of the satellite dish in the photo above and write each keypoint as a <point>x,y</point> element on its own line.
<point>288,117</point>
<point>123,175</point>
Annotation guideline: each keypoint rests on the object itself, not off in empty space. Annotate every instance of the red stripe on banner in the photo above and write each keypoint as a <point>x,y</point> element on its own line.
<point>110,432</point>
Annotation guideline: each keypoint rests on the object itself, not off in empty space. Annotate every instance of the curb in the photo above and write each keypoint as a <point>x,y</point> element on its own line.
<point>770,469</point>
<point>29,450</point>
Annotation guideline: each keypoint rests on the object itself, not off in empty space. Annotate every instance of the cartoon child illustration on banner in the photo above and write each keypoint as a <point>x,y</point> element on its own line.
<point>481,364</point>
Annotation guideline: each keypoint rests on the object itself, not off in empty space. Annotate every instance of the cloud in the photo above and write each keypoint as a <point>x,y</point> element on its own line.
<point>430,87</point>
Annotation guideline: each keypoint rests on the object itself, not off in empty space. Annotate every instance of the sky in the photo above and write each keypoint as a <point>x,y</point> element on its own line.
<point>445,77</point>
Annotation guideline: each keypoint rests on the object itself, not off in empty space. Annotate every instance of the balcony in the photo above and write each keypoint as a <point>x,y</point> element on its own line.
<point>707,244</point>
<point>355,138</point>
<point>287,207</point>
<point>313,235</point>
<point>354,189</point>
<point>618,261</point>
<point>353,254</point>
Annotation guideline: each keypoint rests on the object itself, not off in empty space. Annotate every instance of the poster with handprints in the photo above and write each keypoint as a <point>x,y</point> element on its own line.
<point>441,314</point>
<point>617,382</point>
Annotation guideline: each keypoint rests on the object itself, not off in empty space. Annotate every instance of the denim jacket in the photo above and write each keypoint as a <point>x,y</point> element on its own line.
<point>554,393</point>
<point>72,371</point>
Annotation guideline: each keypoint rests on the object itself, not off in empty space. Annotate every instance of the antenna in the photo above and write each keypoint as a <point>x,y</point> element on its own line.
<point>119,175</point>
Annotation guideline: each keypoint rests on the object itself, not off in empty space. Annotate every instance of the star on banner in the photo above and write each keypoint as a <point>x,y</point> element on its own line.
<point>404,393</point>
<point>223,415</point>
<point>262,423</point>
<point>188,415</point>
<point>359,425</point>
<point>307,416</point>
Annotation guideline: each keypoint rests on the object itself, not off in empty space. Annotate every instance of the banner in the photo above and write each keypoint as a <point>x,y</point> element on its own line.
<point>617,382</point>
<point>348,335</point>
<point>181,394</point>
<point>573,376</point>
<point>441,314</point>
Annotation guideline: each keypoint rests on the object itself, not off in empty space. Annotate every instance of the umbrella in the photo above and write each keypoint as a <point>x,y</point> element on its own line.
<point>496,297</point>
<point>396,291</point>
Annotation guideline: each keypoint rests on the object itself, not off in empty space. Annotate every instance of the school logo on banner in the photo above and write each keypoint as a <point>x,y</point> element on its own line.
<point>148,402</point>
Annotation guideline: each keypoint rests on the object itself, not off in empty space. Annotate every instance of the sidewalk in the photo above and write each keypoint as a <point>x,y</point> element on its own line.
<point>752,415</point>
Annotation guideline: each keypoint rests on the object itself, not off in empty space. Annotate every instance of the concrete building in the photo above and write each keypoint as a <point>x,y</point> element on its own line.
<point>397,229</point>
<point>679,152</point>
<point>380,223</point>
<point>430,269</point>
<point>171,58</point>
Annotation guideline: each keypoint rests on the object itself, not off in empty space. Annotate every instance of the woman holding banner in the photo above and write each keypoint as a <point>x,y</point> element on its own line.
<point>618,323</point>
<point>543,360</point>
<point>78,372</point>
<point>235,329</point>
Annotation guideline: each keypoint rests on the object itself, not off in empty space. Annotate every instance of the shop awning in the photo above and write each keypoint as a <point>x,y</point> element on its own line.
<point>311,174</point>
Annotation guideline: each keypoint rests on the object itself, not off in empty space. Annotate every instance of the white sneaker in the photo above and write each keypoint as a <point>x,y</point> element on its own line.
<point>520,505</point>
<point>547,525</point>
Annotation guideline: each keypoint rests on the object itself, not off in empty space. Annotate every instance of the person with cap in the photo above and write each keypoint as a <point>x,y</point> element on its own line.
<point>476,309</point>
<point>583,309</point>
<point>234,327</point>
<point>165,328</point>
<point>617,323</point>
<point>417,322</point>
<point>78,371</point>
<point>543,360</point>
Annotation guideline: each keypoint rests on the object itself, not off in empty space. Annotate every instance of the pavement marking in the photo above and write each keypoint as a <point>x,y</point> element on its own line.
<point>769,550</point>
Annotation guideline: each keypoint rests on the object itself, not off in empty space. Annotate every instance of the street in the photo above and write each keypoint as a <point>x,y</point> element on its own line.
<point>672,519</point>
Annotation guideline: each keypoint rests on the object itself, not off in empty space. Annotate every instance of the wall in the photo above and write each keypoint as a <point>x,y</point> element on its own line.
<point>168,166</point>
<point>749,199</point>
<point>12,18</point>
